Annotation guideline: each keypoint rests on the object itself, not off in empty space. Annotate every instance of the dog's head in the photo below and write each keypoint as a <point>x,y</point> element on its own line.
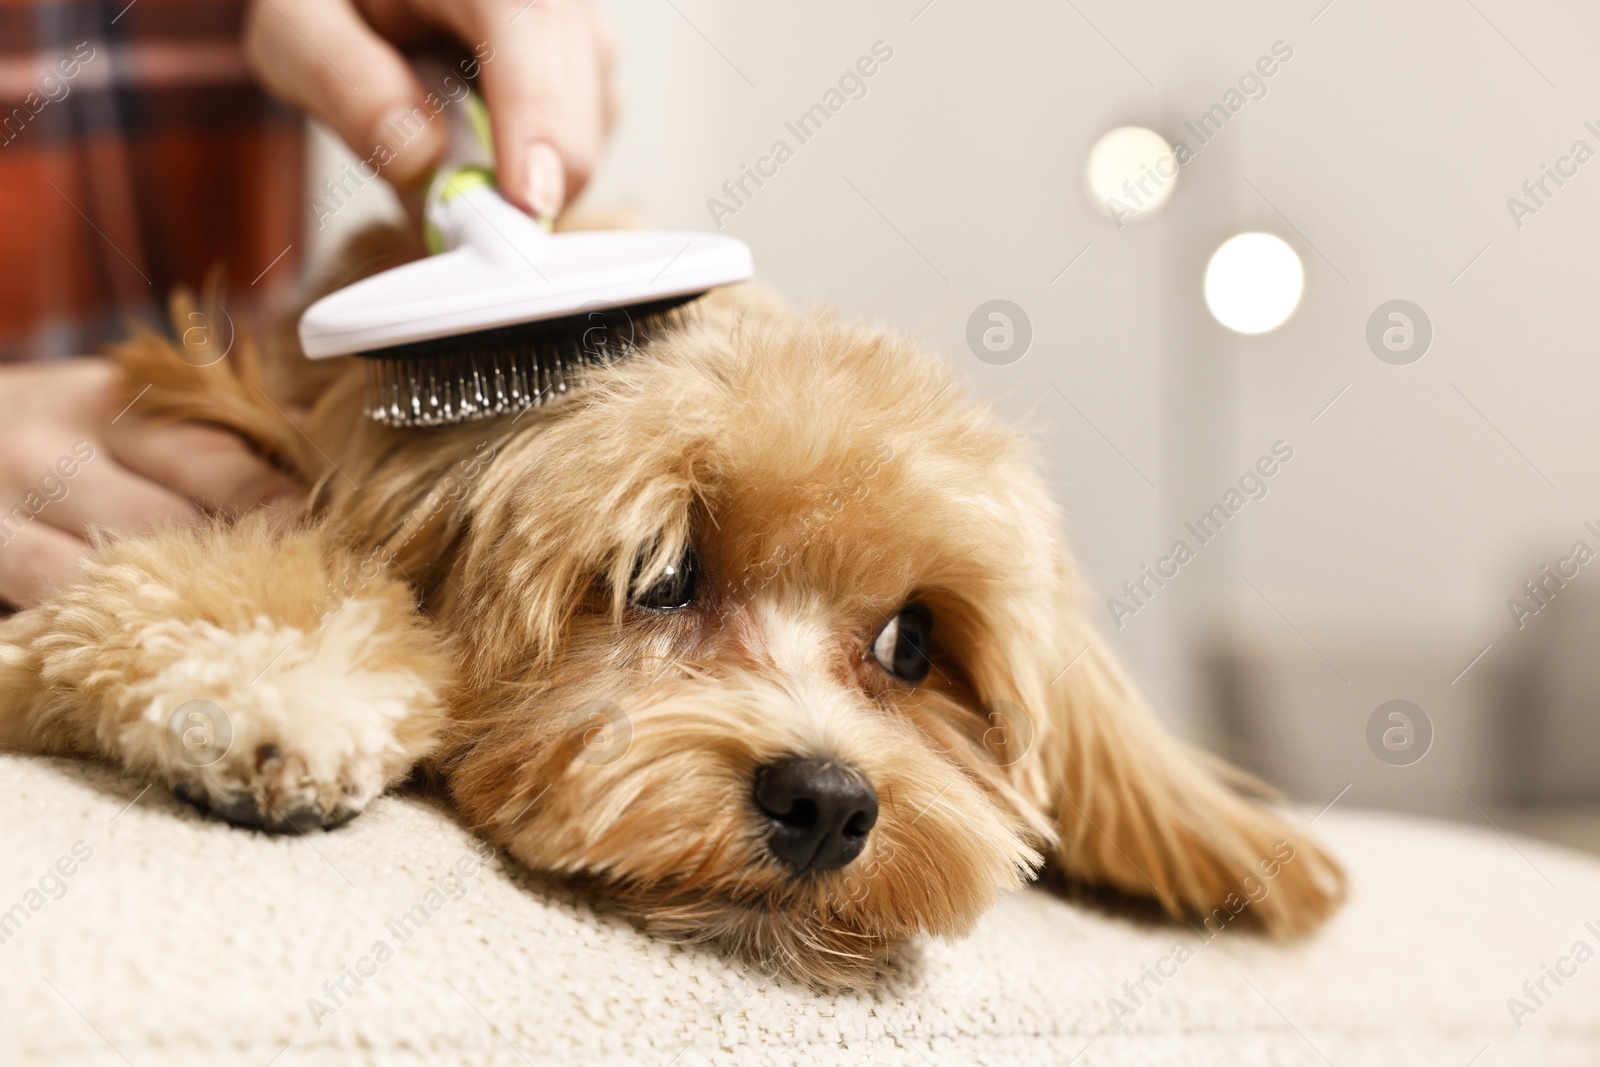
<point>770,635</point>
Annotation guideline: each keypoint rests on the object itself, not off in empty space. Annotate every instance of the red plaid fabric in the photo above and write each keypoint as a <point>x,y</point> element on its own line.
<point>135,155</point>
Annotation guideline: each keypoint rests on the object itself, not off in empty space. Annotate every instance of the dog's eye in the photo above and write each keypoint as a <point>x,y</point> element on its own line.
<point>902,647</point>
<point>674,589</point>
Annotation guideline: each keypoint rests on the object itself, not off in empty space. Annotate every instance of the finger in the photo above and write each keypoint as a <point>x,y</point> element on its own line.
<point>35,559</point>
<point>101,492</point>
<point>610,101</point>
<point>205,464</point>
<point>548,109</point>
<point>541,77</point>
<point>320,56</point>
<point>72,485</point>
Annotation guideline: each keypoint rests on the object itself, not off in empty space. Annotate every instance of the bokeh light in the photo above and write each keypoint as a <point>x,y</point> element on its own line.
<point>1132,172</point>
<point>1254,282</point>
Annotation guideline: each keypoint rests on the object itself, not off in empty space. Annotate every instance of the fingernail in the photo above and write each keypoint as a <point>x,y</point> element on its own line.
<point>547,185</point>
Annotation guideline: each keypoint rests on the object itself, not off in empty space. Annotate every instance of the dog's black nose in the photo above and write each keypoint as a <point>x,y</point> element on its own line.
<point>821,812</point>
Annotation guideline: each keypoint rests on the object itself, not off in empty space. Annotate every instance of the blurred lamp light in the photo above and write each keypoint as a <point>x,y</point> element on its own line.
<point>1254,282</point>
<point>1132,172</point>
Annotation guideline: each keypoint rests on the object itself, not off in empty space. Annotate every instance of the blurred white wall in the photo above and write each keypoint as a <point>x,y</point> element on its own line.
<point>1384,152</point>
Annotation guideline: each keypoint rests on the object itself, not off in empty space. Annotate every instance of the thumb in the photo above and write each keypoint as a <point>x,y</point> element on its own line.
<point>320,56</point>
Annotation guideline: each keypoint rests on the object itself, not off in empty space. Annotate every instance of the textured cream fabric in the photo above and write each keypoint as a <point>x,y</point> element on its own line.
<point>183,941</point>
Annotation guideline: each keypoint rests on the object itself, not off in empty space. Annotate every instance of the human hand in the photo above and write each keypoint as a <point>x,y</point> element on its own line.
<point>546,75</point>
<point>71,458</point>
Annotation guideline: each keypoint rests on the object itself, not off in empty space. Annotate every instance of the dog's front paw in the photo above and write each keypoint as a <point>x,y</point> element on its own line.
<point>270,789</point>
<point>285,729</point>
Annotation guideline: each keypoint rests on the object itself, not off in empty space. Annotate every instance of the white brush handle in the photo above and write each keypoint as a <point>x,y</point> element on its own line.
<point>482,220</point>
<point>464,207</point>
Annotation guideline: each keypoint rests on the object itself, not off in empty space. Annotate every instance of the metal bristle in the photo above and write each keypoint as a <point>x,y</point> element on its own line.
<point>507,370</point>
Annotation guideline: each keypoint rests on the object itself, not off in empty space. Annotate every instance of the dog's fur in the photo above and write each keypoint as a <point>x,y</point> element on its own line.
<point>459,599</point>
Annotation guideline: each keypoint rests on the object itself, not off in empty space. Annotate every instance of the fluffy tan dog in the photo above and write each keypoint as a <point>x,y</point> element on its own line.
<point>768,635</point>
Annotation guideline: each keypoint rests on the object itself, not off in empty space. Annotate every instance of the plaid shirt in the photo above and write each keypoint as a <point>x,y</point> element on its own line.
<point>135,155</point>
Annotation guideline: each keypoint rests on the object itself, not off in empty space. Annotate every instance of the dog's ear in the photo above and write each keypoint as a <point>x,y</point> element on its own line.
<point>1136,810</point>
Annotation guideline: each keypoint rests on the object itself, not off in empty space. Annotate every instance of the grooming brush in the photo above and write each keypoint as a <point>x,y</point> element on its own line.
<point>505,315</point>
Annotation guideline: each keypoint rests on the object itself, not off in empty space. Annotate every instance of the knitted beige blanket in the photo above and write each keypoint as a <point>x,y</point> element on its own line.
<point>132,931</point>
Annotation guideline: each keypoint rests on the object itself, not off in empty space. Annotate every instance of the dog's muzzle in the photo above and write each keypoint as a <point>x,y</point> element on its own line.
<point>819,812</point>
